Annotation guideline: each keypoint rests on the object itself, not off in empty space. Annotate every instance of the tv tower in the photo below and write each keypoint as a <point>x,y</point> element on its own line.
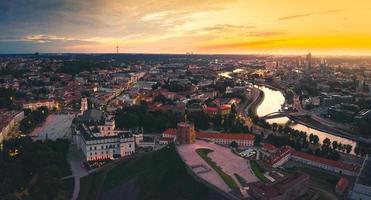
<point>117,48</point>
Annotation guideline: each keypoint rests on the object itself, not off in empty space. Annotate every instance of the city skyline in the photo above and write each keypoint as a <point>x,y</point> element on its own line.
<point>202,27</point>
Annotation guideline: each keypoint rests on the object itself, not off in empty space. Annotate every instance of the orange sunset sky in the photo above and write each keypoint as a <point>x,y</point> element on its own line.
<point>179,26</point>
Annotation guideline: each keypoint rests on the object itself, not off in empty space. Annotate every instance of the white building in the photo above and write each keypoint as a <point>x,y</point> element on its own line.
<point>97,137</point>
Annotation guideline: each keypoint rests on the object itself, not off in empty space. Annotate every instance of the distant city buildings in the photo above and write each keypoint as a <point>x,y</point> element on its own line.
<point>49,103</point>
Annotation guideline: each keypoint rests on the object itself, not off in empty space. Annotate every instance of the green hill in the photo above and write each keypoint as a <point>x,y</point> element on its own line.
<point>156,175</point>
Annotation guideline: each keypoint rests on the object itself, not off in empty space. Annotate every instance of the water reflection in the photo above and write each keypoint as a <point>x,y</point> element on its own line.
<point>273,101</point>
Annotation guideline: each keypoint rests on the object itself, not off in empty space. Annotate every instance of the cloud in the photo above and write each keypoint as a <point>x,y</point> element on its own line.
<point>310,14</point>
<point>228,27</point>
<point>102,18</point>
<point>242,45</point>
<point>239,30</point>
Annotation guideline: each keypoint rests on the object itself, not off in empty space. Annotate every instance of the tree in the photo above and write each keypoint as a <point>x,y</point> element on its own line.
<point>357,151</point>
<point>334,145</point>
<point>311,138</point>
<point>234,144</point>
<point>348,148</point>
<point>315,139</point>
<point>340,146</point>
<point>326,142</point>
<point>274,126</point>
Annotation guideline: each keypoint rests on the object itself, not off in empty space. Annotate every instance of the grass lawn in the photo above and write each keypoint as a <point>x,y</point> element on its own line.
<point>240,179</point>
<point>159,175</point>
<point>90,186</point>
<point>69,185</point>
<point>226,178</point>
<point>258,171</point>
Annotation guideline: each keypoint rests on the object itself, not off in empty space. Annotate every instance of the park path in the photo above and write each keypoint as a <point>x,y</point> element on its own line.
<point>75,159</point>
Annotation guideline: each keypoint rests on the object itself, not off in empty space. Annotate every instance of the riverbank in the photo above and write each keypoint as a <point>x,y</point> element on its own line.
<point>253,106</point>
<point>311,123</point>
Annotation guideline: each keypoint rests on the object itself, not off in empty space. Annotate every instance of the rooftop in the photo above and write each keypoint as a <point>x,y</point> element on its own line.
<point>279,187</point>
<point>333,163</point>
<point>231,136</point>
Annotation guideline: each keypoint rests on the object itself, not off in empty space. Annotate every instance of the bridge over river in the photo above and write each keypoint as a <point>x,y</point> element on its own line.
<point>278,114</point>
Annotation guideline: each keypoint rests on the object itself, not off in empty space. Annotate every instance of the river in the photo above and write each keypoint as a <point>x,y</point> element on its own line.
<point>273,101</point>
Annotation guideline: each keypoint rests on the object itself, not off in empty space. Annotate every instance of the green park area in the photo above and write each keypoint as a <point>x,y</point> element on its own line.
<point>155,175</point>
<point>258,171</point>
<point>226,178</point>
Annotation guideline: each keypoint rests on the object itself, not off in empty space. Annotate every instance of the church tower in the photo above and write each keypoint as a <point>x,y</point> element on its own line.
<point>84,105</point>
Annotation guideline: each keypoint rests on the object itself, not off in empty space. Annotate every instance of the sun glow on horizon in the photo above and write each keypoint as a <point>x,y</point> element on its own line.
<point>207,26</point>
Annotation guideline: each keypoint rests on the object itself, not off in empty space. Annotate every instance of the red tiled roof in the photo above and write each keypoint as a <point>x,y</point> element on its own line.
<point>342,184</point>
<point>212,109</point>
<point>281,153</point>
<point>170,131</point>
<point>231,136</point>
<point>333,163</point>
<point>167,139</point>
<point>225,107</point>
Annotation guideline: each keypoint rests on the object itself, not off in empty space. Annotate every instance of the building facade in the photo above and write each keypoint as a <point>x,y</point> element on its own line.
<point>242,140</point>
<point>97,137</point>
<point>49,103</point>
<point>185,133</point>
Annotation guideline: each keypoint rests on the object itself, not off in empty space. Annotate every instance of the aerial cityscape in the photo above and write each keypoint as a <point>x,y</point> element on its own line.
<point>185,100</point>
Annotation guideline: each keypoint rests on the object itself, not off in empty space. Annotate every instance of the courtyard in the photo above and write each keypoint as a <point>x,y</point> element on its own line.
<point>54,127</point>
<point>231,164</point>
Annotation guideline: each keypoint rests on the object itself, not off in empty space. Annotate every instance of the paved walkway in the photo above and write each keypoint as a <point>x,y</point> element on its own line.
<point>223,157</point>
<point>75,159</point>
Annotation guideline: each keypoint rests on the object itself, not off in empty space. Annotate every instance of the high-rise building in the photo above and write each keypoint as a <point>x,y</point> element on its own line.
<point>185,133</point>
<point>309,60</point>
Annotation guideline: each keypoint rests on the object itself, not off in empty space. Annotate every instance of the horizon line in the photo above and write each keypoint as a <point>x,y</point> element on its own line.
<point>205,54</point>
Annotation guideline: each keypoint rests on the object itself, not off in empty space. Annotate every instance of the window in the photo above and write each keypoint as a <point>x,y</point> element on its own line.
<point>129,145</point>
<point>95,148</point>
<point>91,148</point>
